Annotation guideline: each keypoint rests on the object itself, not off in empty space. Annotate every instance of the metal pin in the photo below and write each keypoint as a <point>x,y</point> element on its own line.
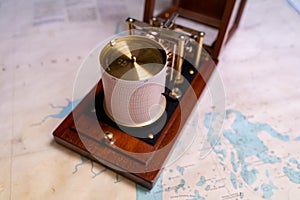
<point>179,78</point>
<point>173,61</point>
<point>112,43</point>
<point>170,22</point>
<point>130,26</point>
<point>199,40</point>
<point>152,21</point>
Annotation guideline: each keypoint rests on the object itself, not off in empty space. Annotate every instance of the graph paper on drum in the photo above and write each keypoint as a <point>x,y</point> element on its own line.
<point>134,103</point>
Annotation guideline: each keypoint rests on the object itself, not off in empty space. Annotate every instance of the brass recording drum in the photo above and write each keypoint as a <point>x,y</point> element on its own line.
<point>133,80</point>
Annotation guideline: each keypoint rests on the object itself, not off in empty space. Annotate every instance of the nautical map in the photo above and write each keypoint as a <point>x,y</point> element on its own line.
<point>248,151</point>
<point>249,165</point>
<point>244,164</point>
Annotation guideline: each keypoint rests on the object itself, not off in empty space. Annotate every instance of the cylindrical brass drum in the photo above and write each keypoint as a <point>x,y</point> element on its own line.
<point>133,80</point>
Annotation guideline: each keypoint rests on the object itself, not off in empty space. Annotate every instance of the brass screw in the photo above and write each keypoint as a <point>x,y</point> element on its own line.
<point>175,93</point>
<point>191,72</point>
<point>150,136</point>
<point>112,43</point>
<point>109,137</point>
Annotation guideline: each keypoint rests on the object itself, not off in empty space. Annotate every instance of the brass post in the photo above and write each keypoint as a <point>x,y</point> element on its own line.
<point>130,22</point>
<point>199,40</point>
<point>179,78</point>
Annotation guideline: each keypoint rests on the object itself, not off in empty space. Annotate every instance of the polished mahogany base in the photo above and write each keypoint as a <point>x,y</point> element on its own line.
<point>87,131</point>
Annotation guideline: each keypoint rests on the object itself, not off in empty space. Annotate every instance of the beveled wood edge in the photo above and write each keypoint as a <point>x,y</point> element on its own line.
<point>142,179</point>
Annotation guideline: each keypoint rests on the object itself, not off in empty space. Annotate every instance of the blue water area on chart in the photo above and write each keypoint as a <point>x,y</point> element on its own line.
<point>234,162</point>
<point>154,194</point>
<point>297,138</point>
<point>180,186</point>
<point>233,180</point>
<point>245,143</point>
<point>63,111</point>
<point>180,170</point>
<point>243,136</point>
<point>292,170</point>
<point>202,181</point>
<point>207,187</point>
<point>267,189</point>
<point>197,196</point>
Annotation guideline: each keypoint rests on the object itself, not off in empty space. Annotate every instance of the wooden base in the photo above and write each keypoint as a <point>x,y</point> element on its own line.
<point>83,131</point>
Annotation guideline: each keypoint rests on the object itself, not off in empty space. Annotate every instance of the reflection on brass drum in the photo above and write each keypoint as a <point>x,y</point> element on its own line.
<point>133,80</point>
